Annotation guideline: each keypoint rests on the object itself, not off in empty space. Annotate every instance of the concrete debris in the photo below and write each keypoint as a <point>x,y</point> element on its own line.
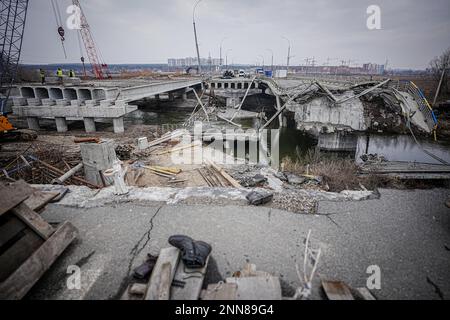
<point>294,179</point>
<point>124,151</point>
<point>257,198</point>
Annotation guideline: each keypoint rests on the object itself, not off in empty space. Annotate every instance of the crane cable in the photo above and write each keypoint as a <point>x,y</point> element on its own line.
<point>59,24</point>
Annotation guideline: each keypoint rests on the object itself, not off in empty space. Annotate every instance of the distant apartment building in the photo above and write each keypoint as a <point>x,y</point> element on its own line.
<point>373,68</point>
<point>188,62</point>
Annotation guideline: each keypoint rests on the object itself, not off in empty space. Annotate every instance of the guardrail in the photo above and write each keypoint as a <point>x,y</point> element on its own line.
<point>424,107</point>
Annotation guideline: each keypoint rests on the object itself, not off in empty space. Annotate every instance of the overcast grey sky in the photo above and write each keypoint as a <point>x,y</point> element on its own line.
<point>150,31</point>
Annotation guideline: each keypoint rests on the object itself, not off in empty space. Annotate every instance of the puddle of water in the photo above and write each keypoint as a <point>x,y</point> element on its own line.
<point>294,142</point>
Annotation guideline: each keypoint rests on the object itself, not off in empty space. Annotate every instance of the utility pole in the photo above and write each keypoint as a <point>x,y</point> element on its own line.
<point>221,43</point>
<point>289,54</point>
<point>195,35</point>
<point>436,95</point>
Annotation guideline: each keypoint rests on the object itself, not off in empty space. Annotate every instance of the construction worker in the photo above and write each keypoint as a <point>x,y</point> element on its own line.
<point>42,75</point>
<point>59,74</point>
<point>71,73</point>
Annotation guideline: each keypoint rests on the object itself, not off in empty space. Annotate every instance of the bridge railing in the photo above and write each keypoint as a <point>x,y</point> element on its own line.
<point>424,106</point>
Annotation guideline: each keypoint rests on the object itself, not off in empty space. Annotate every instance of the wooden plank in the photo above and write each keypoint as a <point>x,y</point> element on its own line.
<point>23,279</point>
<point>13,194</point>
<point>33,220</point>
<point>257,288</point>
<point>365,294</point>
<point>220,291</point>
<point>169,256</point>
<point>225,175</point>
<point>337,290</point>
<point>10,228</point>
<point>18,253</point>
<point>193,279</point>
<point>135,291</point>
<point>165,282</point>
<point>38,199</point>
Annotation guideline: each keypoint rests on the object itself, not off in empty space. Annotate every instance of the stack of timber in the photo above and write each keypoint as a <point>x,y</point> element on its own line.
<point>29,245</point>
<point>216,176</point>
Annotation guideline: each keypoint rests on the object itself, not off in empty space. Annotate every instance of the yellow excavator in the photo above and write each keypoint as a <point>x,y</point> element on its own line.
<point>9,132</point>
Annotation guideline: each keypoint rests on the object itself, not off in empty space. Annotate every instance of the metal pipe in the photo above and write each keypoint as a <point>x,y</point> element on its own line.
<point>68,174</point>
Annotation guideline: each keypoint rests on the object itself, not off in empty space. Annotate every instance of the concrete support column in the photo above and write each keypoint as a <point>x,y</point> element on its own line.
<point>171,96</point>
<point>118,125</point>
<point>184,94</point>
<point>33,123</point>
<point>89,125</point>
<point>233,102</point>
<point>157,97</point>
<point>61,124</point>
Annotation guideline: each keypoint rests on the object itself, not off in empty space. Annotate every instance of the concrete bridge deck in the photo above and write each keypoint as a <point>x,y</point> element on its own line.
<point>89,100</point>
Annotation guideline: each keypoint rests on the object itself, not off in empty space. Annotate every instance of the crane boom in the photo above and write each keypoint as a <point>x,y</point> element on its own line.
<point>13,15</point>
<point>99,68</point>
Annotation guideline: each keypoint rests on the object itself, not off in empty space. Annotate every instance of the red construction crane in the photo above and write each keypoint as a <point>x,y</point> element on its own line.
<point>99,67</point>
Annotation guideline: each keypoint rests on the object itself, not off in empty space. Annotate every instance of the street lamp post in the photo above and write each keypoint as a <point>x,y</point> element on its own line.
<point>262,57</point>
<point>195,36</point>
<point>271,68</point>
<point>226,58</point>
<point>289,54</point>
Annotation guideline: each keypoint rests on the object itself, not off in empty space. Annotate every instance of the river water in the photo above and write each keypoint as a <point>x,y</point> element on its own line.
<point>295,143</point>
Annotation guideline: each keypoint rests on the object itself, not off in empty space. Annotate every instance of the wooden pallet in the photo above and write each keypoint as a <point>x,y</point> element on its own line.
<point>28,244</point>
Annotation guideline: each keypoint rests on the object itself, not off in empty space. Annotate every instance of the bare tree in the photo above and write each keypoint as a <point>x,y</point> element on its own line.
<point>438,66</point>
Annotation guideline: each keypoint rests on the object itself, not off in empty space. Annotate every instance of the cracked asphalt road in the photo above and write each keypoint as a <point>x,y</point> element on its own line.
<point>405,233</point>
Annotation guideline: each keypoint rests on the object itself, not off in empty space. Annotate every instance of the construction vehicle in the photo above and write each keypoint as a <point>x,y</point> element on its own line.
<point>12,16</point>
<point>9,132</point>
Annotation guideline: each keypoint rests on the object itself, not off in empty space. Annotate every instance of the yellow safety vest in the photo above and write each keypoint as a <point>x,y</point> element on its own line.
<point>59,73</point>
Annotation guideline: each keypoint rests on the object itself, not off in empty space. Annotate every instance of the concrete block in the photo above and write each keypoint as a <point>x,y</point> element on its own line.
<point>48,102</point>
<point>76,103</point>
<point>61,124</point>
<point>89,125</point>
<point>62,103</point>
<point>118,125</point>
<point>19,101</point>
<point>33,123</point>
<point>34,101</point>
<point>121,103</point>
<point>142,143</point>
<point>106,103</point>
<point>99,156</point>
<point>91,103</point>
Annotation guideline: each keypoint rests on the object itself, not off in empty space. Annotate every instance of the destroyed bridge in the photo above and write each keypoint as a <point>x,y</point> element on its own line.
<point>325,104</point>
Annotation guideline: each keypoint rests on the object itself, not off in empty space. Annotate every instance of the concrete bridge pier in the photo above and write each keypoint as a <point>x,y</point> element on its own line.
<point>33,123</point>
<point>61,124</point>
<point>89,125</point>
<point>118,125</point>
<point>233,101</point>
